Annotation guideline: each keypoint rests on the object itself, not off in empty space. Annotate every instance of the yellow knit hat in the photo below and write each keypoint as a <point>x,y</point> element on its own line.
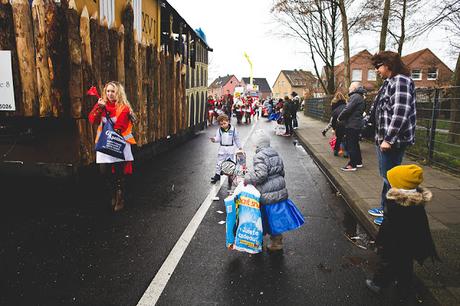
<point>405,177</point>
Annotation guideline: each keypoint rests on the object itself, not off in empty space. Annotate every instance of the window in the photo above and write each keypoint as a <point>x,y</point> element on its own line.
<point>356,75</point>
<point>187,77</point>
<point>192,72</point>
<point>371,76</point>
<point>432,74</point>
<point>416,74</point>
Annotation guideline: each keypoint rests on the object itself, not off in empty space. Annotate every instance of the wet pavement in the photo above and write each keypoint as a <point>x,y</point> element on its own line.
<point>61,245</point>
<point>319,266</point>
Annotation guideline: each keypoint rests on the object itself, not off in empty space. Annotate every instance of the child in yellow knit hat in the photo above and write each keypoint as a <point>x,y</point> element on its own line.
<point>405,233</point>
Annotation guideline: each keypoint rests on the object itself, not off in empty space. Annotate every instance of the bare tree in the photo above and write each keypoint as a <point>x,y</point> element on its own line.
<point>391,20</point>
<point>403,16</point>
<point>402,36</point>
<point>384,28</point>
<point>445,13</point>
<point>316,22</point>
<point>346,43</point>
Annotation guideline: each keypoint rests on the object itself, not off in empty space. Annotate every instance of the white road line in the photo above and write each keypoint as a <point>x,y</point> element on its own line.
<point>159,282</point>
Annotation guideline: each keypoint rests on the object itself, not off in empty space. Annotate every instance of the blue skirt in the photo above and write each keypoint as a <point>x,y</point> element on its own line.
<point>281,217</point>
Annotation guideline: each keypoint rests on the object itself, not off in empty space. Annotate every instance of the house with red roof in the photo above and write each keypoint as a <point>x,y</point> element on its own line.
<point>223,85</point>
<point>427,70</point>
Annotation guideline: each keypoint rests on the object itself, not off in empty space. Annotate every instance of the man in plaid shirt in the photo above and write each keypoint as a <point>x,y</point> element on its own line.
<point>393,115</point>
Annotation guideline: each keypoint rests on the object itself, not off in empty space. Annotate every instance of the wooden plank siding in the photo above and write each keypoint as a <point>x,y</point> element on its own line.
<point>72,52</point>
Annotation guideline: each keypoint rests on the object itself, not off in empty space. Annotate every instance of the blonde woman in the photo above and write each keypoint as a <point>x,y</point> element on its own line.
<point>338,97</point>
<point>338,103</point>
<point>115,104</point>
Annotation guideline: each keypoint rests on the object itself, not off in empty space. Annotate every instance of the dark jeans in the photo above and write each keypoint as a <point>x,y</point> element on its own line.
<point>288,125</point>
<point>340,139</point>
<point>354,151</point>
<point>388,160</point>
<point>294,121</point>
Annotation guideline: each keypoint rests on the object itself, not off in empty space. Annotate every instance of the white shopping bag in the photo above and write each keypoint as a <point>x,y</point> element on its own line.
<point>280,129</point>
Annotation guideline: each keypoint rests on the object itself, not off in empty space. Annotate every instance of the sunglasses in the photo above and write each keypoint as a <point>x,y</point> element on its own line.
<point>377,66</point>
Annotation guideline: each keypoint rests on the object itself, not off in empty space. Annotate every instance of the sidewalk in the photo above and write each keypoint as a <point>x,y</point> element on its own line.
<point>361,190</point>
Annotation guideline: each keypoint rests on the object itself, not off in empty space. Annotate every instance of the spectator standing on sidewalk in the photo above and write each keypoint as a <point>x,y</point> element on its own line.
<point>337,105</point>
<point>393,115</point>
<point>352,117</point>
<point>296,101</point>
<point>288,114</point>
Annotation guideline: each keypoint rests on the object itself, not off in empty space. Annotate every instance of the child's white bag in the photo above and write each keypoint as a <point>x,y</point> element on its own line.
<point>280,129</point>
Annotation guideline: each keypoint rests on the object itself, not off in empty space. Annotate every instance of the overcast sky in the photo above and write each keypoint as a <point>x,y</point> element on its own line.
<point>238,26</point>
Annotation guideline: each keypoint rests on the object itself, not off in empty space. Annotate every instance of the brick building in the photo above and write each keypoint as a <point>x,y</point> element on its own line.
<point>361,70</point>
<point>427,70</point>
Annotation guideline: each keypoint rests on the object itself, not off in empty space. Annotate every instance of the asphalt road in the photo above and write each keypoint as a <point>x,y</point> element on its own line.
<point>61,246</point>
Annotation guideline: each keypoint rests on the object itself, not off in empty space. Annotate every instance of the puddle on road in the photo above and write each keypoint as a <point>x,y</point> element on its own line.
<point>352,230</point>
<point>363,255</point>
<point>299,147</point>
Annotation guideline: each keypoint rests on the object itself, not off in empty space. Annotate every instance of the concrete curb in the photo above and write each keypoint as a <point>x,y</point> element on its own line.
<point>353,200</point>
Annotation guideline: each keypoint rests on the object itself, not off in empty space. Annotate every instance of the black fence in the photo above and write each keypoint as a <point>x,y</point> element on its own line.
<point>438,125</point>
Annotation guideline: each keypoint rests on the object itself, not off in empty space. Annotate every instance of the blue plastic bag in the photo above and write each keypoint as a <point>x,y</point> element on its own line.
<point>281,217</point>
<point>274,116</point>
<point>110,142</point>
<point>230,223</point>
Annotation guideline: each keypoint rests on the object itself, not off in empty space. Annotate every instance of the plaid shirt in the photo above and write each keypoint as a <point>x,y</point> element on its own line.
<point>394,111</point>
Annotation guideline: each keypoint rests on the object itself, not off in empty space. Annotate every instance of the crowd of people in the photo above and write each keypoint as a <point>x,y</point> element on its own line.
<point>284,111</point>
<point>244,107</point>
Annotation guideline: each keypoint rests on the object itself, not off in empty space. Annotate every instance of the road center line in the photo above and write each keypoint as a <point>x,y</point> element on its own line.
<point>159,282</point>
